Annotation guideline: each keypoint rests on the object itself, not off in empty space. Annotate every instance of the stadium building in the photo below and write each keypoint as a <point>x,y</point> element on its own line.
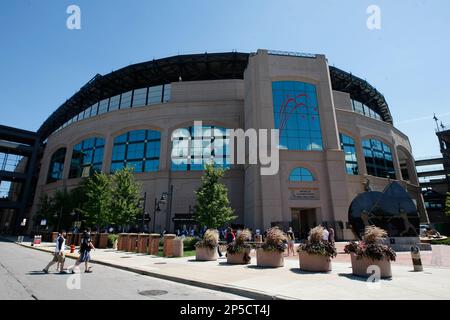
<point>337,137</point>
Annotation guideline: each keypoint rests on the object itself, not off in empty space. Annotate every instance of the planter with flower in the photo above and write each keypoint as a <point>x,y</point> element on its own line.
<point>315,254</point>
<point>369,252</point>
<point>206,249</point>
<point>238,252</point>
<point>271,253</point>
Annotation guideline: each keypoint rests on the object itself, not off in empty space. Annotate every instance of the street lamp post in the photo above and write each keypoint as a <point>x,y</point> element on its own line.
<point>157,209</point>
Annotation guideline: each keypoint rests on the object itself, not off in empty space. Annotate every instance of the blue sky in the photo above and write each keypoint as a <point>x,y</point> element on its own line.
<point>43,63</point>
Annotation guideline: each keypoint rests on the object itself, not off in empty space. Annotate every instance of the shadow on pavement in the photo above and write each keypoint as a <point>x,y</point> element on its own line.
<point>298,271</point>
<point>358,278</point>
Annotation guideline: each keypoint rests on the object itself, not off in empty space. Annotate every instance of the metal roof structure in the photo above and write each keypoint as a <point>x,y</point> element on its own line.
<point>193,67</point>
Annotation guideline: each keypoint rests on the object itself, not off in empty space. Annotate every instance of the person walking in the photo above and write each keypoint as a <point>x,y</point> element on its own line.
<point>59,255</point>
<point>331,235</point>
<point>85,256</point>
<point>326,234</point>
<point>291,241</point>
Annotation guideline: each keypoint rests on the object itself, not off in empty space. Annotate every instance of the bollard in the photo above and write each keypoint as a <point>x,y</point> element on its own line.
<point>131,242</point>
<point>178,247</point>
<point>417,262</point>
<point>153,247</point>
<point>168,245</point>
<point>142,243</point>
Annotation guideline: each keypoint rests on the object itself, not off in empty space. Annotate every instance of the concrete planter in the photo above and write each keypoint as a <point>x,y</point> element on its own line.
<point>361,265</point>
<point>272,259</point>
<point>206,254</point>
<point>314,262</point>
<point>238,258</point>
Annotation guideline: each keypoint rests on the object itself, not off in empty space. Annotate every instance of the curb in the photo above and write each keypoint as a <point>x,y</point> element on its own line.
<point>252,294</point>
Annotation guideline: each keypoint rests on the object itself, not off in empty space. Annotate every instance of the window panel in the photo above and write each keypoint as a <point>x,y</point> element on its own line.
<point>56,167</point>
<point>193,147</point>
<point>167,92</point>
<point>114,103</point>
<point>140,97</point>
<point>87,157</point>
<point>139,149</point>
<point>103,106</point>
<point>125,101</point>
<point>301,175</point>
<point>349,148</point>
<point>378,158</point>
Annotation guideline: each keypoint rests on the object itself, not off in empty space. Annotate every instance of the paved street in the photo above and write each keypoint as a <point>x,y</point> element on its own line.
<point>21,278</point>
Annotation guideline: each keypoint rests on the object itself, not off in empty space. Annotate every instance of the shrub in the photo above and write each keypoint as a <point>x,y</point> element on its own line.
<point>371,246</point>
<point>210,239</point>
<point>316,245</point>
<point>239,245</point>
<point>189,243</point>
<point>275,240</point>
<point>111,239</point>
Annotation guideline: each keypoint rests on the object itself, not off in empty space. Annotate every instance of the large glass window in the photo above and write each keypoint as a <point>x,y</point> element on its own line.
<point>87,157</point>
<point>296,114</point>
<point>378,157</point>
<point>10,162</point>
<point>365,110</point>
<point>349,148</point>
<point>196,146</point>
<point>133,98</point>
<point>55,171</point>
<point>138,149</point>
<point>301,175</point>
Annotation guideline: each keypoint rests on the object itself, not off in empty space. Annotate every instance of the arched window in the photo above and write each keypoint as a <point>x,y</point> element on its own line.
<point>378,157</point>
<point>195,146</point>
<point>349,148</point>
<point>301,174</point>
<point>55,171</point>
<point>138,149</point>
<point>87,157</point>
<point>296,115</point>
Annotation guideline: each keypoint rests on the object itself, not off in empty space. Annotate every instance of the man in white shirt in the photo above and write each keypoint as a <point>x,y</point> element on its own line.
<point>59,255</point>
<point>326,234</point>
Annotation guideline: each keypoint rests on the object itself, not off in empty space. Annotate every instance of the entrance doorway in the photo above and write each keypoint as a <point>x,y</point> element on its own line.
<point>302,221</point>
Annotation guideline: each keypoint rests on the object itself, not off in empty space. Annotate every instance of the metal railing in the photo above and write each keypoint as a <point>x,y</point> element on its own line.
<point>292,54</point>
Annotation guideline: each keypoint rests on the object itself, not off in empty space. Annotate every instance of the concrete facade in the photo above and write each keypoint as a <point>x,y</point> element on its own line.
<point>259,201</point>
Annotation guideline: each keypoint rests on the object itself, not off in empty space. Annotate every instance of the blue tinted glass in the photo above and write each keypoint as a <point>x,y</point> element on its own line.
<point>296,115</point>
<point>138,135</point>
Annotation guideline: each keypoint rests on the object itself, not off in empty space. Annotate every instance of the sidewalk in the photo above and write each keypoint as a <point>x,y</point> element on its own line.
<point>281,283</point>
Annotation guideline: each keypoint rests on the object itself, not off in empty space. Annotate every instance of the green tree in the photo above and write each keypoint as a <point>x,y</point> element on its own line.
<point>96,207</point>
<point>213,206</point>
<point>126,193</point>
<point>45,210</point>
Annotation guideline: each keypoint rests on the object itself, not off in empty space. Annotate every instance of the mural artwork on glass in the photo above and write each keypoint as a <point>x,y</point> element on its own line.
<point>296,114</point>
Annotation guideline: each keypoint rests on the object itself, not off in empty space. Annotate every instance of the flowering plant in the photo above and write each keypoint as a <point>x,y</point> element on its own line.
<point>210,239</point>
<point>239,245</point>
<point>316,245</point>
<point>371,246</point>
<point>275,240</point>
